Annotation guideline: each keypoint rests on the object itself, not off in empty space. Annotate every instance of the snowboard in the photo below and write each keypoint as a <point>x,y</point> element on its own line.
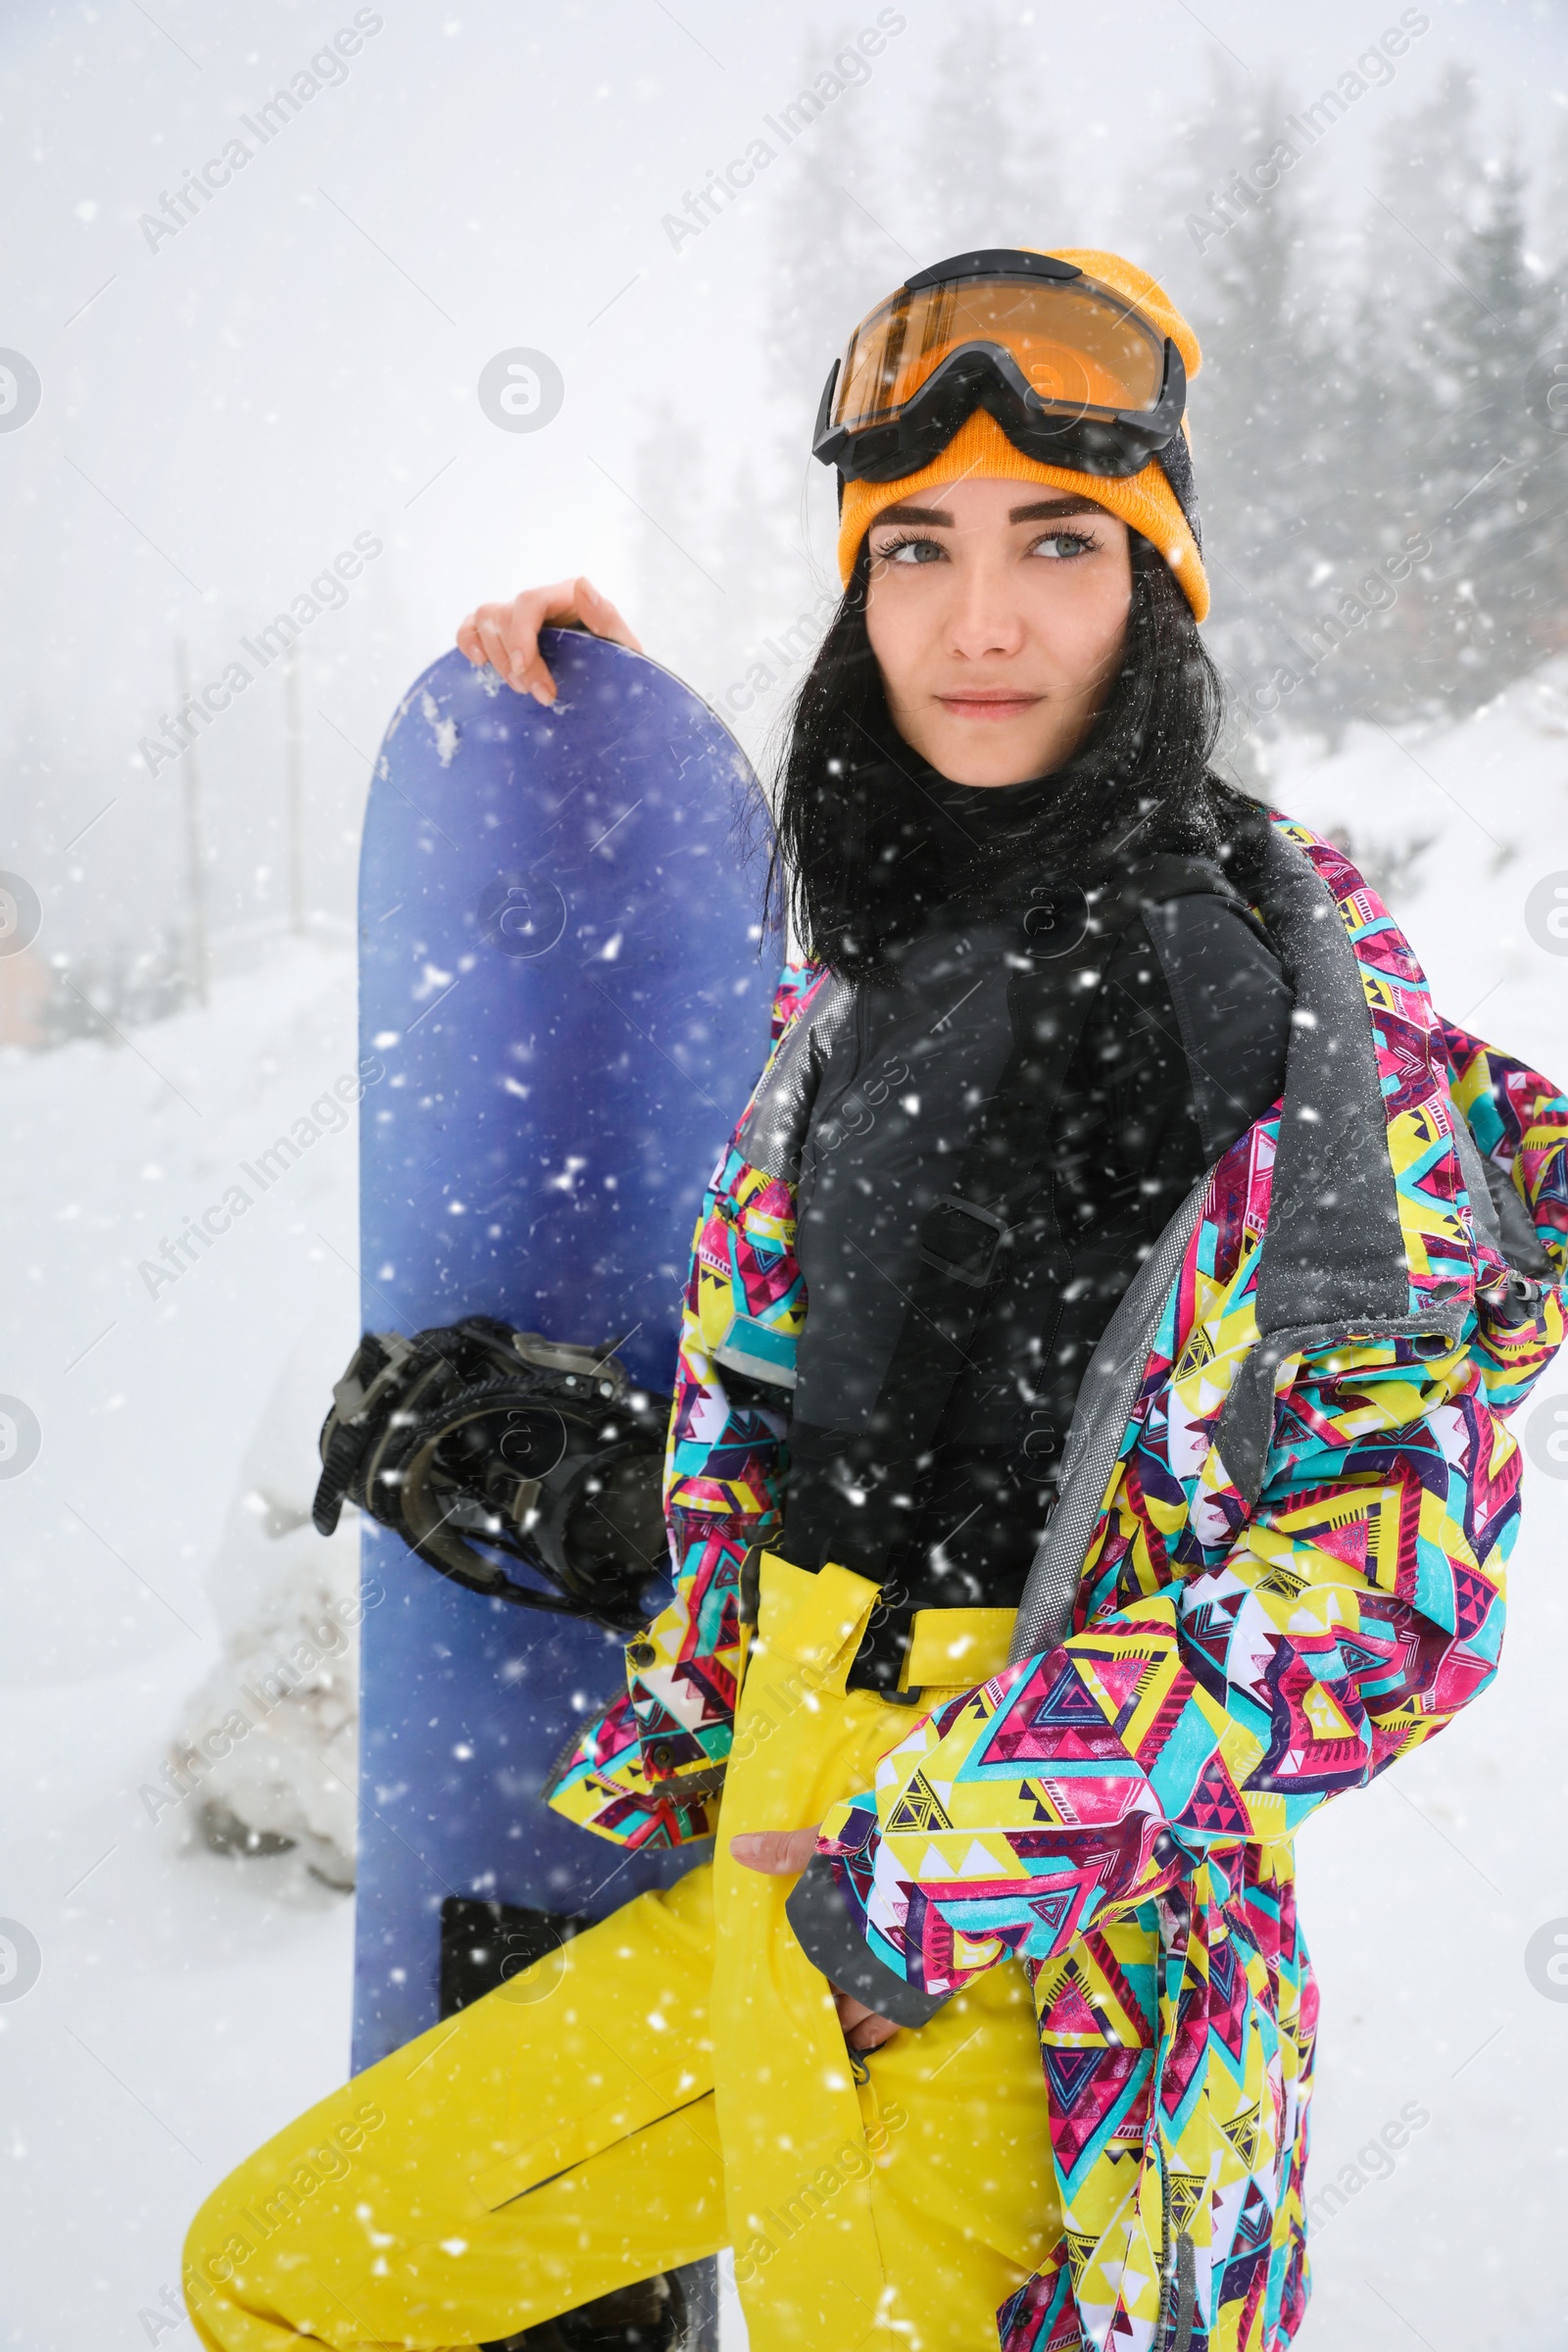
<point>564,1001</point>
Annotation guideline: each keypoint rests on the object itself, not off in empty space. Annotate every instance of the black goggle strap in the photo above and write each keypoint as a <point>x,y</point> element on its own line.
<point>1175,463</point>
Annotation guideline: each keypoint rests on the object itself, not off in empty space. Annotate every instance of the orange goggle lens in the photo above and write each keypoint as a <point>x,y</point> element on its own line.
<point>1080,346</point>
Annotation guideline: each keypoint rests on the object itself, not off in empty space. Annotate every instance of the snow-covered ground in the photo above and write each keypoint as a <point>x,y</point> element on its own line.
<point>188,2003</point>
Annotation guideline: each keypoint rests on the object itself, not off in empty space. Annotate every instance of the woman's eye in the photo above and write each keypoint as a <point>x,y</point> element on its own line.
<point>1061,545</point>
<point>913,551</point>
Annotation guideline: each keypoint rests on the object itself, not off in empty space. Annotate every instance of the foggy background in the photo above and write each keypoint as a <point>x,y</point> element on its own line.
<point>298,363</point>
<point>234,391</point>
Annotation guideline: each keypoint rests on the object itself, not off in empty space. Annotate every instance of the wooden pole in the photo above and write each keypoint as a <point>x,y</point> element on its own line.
<point>296,797</point>
<point>195,857</point>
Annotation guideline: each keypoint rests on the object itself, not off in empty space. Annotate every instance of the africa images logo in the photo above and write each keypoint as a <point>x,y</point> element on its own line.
<point>20,390</point>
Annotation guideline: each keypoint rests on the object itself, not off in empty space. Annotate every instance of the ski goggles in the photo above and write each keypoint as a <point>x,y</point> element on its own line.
<point>1070,370</point>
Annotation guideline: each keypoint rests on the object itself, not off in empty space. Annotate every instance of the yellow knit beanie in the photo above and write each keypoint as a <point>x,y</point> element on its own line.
<point>980,451</point>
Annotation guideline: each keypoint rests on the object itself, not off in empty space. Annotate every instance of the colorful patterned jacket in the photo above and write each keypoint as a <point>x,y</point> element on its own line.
<point>1294,1575</point>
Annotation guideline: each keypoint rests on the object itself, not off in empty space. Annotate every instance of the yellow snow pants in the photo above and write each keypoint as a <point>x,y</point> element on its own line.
<point>672,2082</point>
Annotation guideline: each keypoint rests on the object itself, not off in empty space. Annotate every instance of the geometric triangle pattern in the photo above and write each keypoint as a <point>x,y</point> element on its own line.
<point>918,1808</point>
<point>1069,2074</point>
<point>1214,1807</point>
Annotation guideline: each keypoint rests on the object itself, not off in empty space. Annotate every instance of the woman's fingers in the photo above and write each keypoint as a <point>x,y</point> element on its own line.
<point>493,647</point>
<point>489,636</point>
<point>783,1854</point>
<point>507,636</point>
<point>863,2028</point>
<point>510,637</point>
<point>598,613</point>
<point>780,1852</point>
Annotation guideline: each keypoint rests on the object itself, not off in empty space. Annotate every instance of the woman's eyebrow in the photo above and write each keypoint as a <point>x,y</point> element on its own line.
<point>1049,510</point>
<point>933,515</point>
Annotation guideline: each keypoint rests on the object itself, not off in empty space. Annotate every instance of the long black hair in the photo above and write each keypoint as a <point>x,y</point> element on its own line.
<point>859,848</point>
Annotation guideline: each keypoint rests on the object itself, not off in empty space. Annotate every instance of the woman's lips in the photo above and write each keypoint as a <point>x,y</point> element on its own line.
<point>988,706</point>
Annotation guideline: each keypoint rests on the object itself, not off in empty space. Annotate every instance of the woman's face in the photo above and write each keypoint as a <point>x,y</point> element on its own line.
<point>996,612</point>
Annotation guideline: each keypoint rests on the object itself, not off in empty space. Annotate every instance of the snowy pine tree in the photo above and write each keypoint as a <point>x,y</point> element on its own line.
<point>1492,603</point>
<point>1375,443</point>
<point>1261,436</point>
<point>1380,372</point>
<point>676,598</point>
<point>760,527</point>
<point>980,174</point>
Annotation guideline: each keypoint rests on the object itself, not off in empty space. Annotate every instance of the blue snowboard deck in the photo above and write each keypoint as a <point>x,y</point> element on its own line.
<point>561,981</point>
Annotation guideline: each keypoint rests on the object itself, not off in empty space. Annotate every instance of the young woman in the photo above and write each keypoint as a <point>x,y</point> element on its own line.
<point>1086,1458</point>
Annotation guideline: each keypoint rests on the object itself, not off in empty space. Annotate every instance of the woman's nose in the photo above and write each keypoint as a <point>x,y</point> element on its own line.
<point>985,617</point>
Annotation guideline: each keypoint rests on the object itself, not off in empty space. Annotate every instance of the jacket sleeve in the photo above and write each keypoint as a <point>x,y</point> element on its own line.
<point>647,1772</point>
<point>1348,1621</point>
<point>1519,1121</point>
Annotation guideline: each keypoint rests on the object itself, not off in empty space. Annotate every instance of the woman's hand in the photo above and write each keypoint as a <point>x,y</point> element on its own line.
<point>785,1853</point>
<point>863,2030</point>
<point>782,1853</point>
<point>507,636</point>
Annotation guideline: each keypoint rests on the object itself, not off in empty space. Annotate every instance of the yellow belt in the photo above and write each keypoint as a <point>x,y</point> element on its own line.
<point>956,1645</point>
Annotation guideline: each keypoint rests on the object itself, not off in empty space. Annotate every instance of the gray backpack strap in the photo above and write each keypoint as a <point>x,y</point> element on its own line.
<point>1106,1401</point>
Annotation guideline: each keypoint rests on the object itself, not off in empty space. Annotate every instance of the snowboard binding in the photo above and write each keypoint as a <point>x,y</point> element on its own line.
<point>650,2317</point>
<point>540,1452</point>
